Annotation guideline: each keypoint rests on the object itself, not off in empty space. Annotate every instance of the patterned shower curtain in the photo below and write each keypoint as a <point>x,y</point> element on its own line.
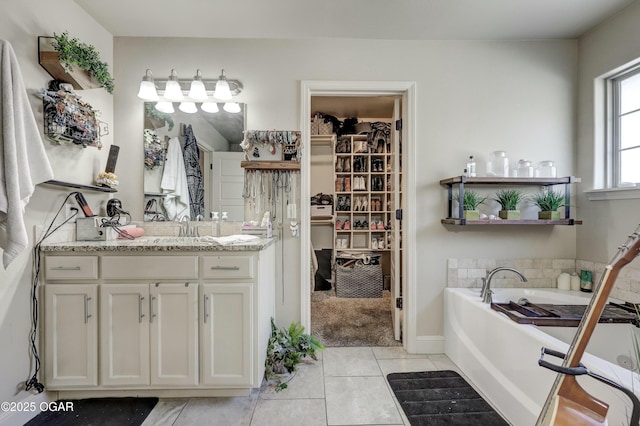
<point>194,174</point>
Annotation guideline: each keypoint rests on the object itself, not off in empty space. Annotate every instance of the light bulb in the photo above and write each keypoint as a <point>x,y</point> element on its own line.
<point>188,107</point>
<point>166,107</point>
<point>172,90</point>
<point>148,88</point>
<point>232,107</point>
<point>197,91</point>
<point>222,91</point>
<point>210,107</point>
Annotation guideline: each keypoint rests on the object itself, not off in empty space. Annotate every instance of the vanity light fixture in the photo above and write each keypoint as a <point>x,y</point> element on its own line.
<point>188,107</point>
<point>231,107</point>
<point>223,91</point>
<point>166,107</point>
<point>148,87</point>
<point>198,91</point>
<point>172,90</point>
<point>210,107</point>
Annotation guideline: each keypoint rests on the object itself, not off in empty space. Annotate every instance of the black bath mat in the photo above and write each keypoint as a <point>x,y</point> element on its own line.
<point>437,398</point>
<point>98,412</point>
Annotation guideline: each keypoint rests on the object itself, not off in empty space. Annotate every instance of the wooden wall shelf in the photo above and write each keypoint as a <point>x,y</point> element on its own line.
<point>270,165</point>
<point>462,181</point>
<point>512,222</point>
<point>48,58</point>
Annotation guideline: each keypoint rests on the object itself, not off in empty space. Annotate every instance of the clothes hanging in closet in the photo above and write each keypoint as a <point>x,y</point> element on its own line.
<point>194,173</point>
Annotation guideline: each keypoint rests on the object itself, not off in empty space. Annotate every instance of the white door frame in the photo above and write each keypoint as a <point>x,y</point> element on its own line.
<point>407,89</point>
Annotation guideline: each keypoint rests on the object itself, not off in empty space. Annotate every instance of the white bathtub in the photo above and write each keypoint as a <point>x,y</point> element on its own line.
<point>501,356</point>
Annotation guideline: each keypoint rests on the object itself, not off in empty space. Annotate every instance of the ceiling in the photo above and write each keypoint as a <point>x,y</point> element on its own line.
<point>365,19</point>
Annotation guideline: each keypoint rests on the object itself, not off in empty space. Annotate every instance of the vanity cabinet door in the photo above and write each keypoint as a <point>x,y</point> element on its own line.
<point>71,330</point>
<point>173,323</point>
<point>124,334</point>
<point>226,339</point>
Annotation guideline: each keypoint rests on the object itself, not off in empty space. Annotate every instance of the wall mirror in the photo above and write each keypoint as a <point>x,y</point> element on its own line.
<point>217,137</point>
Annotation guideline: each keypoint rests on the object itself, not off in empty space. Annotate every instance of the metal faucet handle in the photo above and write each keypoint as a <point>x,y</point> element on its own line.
<point>488,297</point>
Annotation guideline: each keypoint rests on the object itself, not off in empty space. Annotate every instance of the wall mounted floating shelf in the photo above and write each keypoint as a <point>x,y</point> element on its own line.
<point>48,58</point>
<point>462,181</point>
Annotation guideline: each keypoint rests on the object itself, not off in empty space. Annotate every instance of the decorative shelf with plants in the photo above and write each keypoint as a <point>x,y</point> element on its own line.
<point>548,200</point>
<point>69,60</point>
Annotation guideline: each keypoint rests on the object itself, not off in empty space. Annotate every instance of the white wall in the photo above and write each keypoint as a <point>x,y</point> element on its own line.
<point>473,97</point>
<point>21,22</point>
<point>607,47</point>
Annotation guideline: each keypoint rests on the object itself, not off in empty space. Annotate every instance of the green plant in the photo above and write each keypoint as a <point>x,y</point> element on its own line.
<point>509,198</point>
<point>471,200</point>
<point>287,346</point>
<point>549,200</point>
<point>73,52</point>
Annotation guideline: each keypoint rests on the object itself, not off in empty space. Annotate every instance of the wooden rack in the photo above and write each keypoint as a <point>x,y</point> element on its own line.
<point>270,165</point>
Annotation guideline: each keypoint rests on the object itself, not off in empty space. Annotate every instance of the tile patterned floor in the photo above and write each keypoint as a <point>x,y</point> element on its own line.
<point>346,386</point>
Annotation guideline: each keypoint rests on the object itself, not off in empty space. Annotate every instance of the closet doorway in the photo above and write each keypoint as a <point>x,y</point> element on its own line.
<point>360,166</point>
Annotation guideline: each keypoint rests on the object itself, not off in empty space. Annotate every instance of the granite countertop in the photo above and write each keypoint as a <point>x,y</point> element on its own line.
<point>158,244</point>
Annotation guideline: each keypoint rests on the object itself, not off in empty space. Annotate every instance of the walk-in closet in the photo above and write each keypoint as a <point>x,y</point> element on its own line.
<point>356,232</point>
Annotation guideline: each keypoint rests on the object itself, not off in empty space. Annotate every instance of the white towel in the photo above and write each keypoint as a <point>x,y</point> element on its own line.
<point>174,183</point>
<point>23,160</point>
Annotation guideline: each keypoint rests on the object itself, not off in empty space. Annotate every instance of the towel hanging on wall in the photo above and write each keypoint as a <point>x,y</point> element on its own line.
<point>23,160</point>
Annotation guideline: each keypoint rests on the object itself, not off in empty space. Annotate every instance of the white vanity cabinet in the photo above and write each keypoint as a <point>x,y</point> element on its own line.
<point>179,323</point>
<point>148,334</point>
<point>71,337</point>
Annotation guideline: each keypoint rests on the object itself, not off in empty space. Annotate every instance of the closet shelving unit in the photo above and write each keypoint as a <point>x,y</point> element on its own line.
<point>462,181</point>
<point>364,190</point>
<point>323,142</point>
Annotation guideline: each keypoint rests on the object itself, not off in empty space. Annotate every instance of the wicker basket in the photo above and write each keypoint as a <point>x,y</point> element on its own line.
<point>356,279</point>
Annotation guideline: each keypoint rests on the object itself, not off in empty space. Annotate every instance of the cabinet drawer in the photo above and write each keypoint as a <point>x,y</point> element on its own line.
<point>150,267</point>
<point>221,267</point>
<point>71,267</point>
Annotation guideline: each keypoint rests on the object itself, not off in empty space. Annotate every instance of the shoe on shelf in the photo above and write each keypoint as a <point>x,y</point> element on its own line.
<point>358,205</point>
<point>364,204</point>
<point>381,244</point>
<point>339,184</point>
<point>365,224</point>
<point>347,225</point>
<point>338,224</point>
<point>372,226</point>
<point>347,184</point>
<point>380,225</point>
<point>357,225</point>
<point>374,244</point>
<point>346,166</point>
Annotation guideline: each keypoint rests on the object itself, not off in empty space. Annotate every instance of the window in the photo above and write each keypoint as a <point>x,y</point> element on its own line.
<point>625,131</point>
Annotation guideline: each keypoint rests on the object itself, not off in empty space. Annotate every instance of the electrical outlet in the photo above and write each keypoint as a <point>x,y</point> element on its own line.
<point>69,211</point>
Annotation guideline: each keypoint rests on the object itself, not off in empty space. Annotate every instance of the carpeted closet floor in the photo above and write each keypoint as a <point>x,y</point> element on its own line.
<point>340,321</point>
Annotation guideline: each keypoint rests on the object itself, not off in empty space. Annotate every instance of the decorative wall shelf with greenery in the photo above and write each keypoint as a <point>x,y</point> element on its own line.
<point>462,181</point>
<point>69,60</point>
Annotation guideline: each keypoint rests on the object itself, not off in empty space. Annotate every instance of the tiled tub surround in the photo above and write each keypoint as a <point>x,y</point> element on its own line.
<point>540,273</point>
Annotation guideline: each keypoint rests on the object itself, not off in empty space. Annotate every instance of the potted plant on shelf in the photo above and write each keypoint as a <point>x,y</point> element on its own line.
<point>470,203</point>
<point>72,52</point>
<point>549,202</point>
<point>509,200</point>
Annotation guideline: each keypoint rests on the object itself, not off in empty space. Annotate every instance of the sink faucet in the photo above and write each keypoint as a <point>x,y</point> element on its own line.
<point>185,230</point>
<point>486,282</point>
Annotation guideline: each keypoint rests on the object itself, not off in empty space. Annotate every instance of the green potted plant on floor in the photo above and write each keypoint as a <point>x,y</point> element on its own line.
<point>287,346</point>
<point>470,203</point>
<point>549,202</point>
<point>509,199</point>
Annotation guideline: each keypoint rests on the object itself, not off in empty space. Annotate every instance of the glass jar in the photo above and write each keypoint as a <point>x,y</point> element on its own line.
<point>498,164</point>
<point>525,169</point>
<point>546,169</point>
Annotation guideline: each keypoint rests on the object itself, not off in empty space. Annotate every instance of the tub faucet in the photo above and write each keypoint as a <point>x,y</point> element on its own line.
<point>486,292</point>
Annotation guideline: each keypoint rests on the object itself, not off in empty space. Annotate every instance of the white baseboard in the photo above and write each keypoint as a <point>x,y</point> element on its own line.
<point>20,417</point>
<point>429,345</point>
